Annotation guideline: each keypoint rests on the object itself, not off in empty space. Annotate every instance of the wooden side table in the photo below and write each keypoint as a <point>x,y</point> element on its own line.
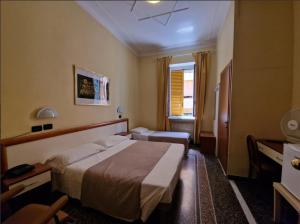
<point>40,175</point>
<point>207,142</point>
<point>281,192</point>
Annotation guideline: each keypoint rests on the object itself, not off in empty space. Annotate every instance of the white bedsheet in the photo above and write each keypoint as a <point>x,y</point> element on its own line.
<point>143,137</point>
<point>157,187</point>
<point>164,134</point>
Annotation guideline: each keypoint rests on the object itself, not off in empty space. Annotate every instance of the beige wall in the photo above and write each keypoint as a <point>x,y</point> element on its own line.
<point>40,43</point>
<point>224,55</point>
<point>148,92</point>
<point>225,42</point>
<point>208,116</point>
<point>296,69</point>
<point>262,75</point>
<point>148,89</point>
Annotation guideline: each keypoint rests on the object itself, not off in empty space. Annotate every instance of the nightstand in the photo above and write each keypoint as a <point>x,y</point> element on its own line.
<point>125,133</point>
<point>40,175</point>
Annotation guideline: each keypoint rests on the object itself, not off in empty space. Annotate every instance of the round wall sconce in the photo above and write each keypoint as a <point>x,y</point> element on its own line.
<point>46,112</point>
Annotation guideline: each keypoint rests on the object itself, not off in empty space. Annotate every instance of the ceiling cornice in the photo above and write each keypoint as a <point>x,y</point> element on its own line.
<point>173,50</point>
<point>91,8</point>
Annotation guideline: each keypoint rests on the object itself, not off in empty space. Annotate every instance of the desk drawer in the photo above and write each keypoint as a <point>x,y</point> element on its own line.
<point>33,182</point>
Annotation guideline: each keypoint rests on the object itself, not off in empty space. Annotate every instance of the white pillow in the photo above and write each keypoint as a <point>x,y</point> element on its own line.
<point>139,130</point>
<point>109,141</point>
<point>59,161</point>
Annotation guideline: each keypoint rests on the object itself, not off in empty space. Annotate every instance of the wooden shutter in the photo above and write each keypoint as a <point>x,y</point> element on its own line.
<point>177,82</point>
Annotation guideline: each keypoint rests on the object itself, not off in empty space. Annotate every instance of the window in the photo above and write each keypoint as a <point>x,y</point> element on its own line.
<point>181,89</point>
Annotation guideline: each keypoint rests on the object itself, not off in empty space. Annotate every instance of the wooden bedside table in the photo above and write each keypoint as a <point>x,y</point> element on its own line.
<point>125,133</point>
<point>40,175</point>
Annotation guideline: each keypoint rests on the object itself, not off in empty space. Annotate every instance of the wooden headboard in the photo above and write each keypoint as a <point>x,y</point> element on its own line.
<point>35,148</point>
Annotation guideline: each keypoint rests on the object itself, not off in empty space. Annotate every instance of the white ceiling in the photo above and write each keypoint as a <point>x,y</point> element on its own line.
<point>197,26</point>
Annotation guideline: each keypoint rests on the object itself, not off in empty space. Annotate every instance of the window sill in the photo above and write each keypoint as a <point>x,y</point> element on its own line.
<point>181,118</point>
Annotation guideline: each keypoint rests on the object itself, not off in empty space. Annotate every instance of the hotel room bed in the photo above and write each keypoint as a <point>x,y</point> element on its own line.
<point>162,136</point>
<point>157,187</point>
<point>75,154</point>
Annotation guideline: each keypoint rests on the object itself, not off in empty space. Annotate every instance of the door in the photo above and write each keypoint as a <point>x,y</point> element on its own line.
<point>224,115</point>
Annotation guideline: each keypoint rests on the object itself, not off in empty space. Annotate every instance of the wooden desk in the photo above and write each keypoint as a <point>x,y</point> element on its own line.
<point>281,192</point>
<point>272,149</point>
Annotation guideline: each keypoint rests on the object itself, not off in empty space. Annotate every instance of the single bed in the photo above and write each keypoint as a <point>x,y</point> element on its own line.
<point>144,134</point>
<point>157,187</point>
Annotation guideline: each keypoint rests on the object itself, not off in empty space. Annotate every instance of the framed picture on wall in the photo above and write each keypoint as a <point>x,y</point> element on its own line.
<point>91,88</point>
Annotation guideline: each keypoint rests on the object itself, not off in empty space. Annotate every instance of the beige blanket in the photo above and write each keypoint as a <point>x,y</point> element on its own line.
<point>113,186</point>
<point>172,137</point>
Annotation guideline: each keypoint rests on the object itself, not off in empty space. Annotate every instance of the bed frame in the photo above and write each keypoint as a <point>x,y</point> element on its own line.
<point>38,147</point>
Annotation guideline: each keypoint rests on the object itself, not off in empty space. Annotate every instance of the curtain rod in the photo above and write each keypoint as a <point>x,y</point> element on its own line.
<point>181,55</point>
<point>184,54</point>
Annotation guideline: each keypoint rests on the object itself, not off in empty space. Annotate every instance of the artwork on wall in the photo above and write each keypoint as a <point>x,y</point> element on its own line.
<point>91,88</point>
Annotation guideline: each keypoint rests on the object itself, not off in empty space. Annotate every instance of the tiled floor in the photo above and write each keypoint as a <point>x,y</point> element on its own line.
<point>227,207</point>
<point>259,198</point>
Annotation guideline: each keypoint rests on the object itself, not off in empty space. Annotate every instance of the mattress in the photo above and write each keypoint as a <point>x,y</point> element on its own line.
<point>157,187</point>
<point>164,136</point>
<point>143,136</point>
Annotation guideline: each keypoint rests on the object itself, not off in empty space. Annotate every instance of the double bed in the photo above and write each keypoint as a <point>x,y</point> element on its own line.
<point>157,186</point>
<point>111,175</point>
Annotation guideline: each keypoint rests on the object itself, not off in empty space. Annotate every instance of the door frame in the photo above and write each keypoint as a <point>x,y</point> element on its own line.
<point>216,115</point>
<point>228,67</point>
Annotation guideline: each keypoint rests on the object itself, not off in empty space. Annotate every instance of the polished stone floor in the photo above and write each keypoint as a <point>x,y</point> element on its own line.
<point>227,207</point>
<point>259,197</point>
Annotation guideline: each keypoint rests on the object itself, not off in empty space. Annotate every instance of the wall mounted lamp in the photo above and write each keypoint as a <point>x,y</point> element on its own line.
<point>46,112</point>
<point>120,111</point>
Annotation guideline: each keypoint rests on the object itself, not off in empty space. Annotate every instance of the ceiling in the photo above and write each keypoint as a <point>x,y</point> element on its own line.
<point>191,24</point>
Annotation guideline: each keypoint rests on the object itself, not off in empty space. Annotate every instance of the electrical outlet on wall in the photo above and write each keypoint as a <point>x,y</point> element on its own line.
<point>36,128</point>
<point>47,126</point>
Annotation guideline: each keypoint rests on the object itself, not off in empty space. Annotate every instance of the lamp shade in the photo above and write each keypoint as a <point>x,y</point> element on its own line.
<point>46,112</point>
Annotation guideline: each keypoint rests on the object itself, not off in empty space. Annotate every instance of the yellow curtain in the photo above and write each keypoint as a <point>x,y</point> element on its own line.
<point>177,82</point>
<point>162,100</point>
<point>201,73</point>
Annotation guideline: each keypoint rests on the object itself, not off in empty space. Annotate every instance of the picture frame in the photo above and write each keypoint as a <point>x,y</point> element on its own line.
<point>91,88</point>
